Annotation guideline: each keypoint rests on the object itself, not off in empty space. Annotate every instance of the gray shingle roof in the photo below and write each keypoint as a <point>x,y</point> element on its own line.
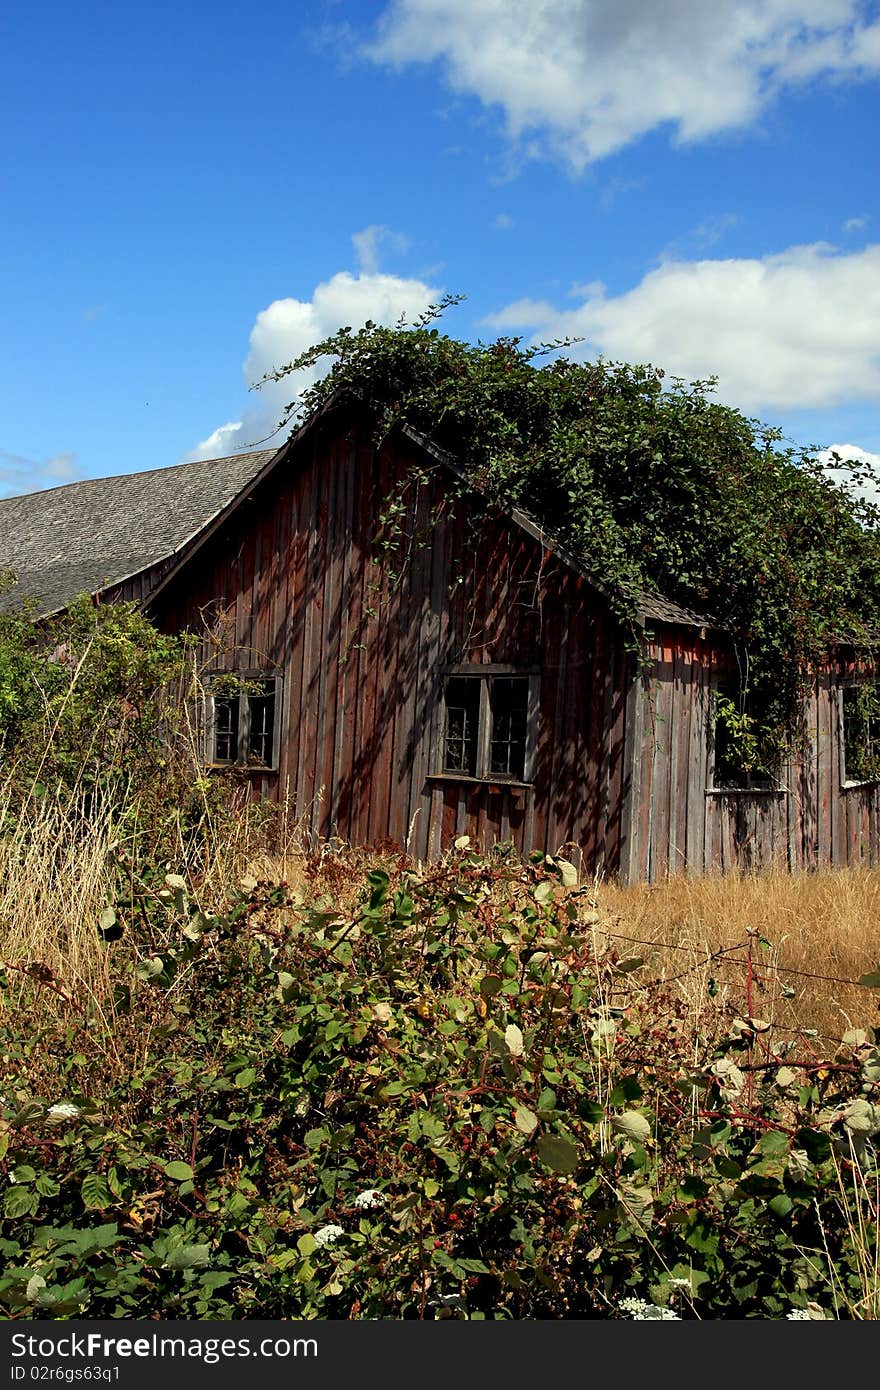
<point>86,536</point>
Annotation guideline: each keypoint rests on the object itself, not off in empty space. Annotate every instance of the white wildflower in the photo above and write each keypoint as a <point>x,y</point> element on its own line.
<point>798,1315</point>
<point>327,1234</point>
<point>63,1110</point>
<point>372,1197</point>
<point>643,1311</point>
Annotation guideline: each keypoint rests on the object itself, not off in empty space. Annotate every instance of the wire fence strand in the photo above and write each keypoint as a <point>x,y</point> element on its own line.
<point>725,953</point>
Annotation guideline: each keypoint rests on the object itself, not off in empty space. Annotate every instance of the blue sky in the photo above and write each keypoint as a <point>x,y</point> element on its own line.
<point>193,193</point>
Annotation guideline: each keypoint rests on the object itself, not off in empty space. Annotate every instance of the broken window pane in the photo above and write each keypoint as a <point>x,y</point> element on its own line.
<point>861,732</point>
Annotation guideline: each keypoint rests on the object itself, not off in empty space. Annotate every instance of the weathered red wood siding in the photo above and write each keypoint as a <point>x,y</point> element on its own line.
<point>682,824</point>
<point>295,582</point>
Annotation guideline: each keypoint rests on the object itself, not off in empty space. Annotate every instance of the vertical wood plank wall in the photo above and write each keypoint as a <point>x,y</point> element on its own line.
<point>296,583</point>
<point>814,821</point>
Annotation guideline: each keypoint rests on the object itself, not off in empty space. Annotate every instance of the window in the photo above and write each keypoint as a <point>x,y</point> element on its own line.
<point>733,747</point>
<point>488,725</point>
<point>859,711</point>
<point>242,719</point>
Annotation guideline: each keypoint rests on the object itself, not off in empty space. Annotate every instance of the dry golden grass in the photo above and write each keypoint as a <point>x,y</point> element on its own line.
<point>57,873</point>
<point>821,924</point>
<point>54,881</point>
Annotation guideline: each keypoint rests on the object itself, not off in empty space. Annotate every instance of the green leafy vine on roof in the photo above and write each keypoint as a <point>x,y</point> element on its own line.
<point>652,482</point>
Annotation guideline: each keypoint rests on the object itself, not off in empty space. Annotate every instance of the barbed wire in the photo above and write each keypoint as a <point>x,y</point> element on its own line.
<point>725,952</point>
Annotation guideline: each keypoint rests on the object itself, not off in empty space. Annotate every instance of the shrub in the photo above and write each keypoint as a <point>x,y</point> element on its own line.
<point>437,1100</point>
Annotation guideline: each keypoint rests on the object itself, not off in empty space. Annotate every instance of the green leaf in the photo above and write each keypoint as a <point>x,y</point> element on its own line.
<point>591,1111</point>
<point>179,1171</point>
<point>28,1113</point>
<point>245,1078</point>
<point>525,1120</point>
<point>188,1257</point>
<point>109,926</point>
<point>514,1039</point>
<point>558,1154</point>
<point>567,872</point>
<point>19,1201</point>
<point>306,1245</point>
<point>150,969</point>
<point>96,1193</point>
<point>871,980</point>
<point>490,985</point>
<point>632,1125</point>
<point>780,1205</point>
<point>773,1143</point>
<point>861,1117</point>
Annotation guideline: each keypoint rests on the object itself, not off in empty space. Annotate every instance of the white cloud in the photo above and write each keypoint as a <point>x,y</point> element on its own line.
<point>855,224</point>
<point>800,329</point>
<point>852,453</point>
<point>503,222</point>
<point>367,245</point>
<point>287,327</point>
<point>583,78</point>
<point>61,467</point>
<point>864,479</point>
<point>19,474</point>
<point>224,440</point>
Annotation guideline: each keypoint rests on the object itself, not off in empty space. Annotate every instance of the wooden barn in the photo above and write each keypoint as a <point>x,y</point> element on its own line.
<point>403,668</point>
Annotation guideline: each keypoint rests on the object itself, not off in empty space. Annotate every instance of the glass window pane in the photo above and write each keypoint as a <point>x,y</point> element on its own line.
<point>226,708</point>
<point>462,725</point>
<point>261,731</point>
<point>509,705</point>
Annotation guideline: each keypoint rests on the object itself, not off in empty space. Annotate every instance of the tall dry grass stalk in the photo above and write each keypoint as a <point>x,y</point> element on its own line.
<point>818,924</point>
<point>55,877</point>
<point>58,871</point>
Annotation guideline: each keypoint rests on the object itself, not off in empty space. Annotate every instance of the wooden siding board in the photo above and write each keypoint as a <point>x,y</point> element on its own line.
<point>556,664</point>
<point>629,857</point>
<point>678,751</point>
<point>348,586</point>
<point>698,743</point>
<point>823,770</point>
<point>658,811</point>
<point>294,570</point>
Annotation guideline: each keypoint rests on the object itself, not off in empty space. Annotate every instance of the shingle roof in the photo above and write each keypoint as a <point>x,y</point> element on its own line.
<point>89,536</point>
<point>86,536</point>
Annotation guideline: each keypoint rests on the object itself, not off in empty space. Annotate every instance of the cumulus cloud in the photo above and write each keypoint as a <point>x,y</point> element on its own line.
<point>19,474</point>
<point>287,327</point>
<point>583,78</point>
<point>799,329</point>
<point>864,477</point>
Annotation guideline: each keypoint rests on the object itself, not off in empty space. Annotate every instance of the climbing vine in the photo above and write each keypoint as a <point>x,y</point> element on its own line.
<point>651,481</point>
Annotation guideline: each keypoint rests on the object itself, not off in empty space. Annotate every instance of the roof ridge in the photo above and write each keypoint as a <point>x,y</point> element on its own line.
<point>138,473</point>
